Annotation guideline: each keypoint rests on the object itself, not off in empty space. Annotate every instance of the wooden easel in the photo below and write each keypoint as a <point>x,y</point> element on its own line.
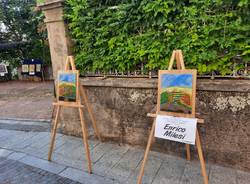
<point>176,55</point>
<point>70,62</point>
<point>70,66</point>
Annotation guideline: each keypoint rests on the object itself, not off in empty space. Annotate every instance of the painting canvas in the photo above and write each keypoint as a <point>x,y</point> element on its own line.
<point>176,92</point>
<point>67,86</point>
<point>38,67</point>
<point>25,68</point>
<point>31,69</point>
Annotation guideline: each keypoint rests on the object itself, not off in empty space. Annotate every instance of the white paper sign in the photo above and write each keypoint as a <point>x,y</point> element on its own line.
<point>176,128</point>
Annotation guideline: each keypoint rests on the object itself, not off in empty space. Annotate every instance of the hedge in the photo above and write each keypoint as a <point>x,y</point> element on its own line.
<point>122,35</point>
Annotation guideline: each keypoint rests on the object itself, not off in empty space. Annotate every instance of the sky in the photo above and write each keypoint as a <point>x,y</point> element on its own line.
<point>180,80</point>
<point>67,77</point>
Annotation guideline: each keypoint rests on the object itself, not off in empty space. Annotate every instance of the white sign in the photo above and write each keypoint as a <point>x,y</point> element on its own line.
<point>3,70</point>
<point>176,128</point>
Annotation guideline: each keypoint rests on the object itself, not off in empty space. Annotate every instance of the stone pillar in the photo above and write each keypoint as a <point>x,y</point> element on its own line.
<point>59,45</point>
<point>58,41</point>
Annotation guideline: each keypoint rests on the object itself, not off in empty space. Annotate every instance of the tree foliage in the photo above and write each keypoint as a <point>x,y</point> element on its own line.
<point>122,34</point>
<point>20,23</point>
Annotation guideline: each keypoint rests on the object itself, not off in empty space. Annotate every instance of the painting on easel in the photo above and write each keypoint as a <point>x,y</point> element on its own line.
<point>67,86</point>
<point>176,91</point>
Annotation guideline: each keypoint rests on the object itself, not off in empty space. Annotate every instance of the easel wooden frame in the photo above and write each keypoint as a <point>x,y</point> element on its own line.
<point>70,66</point>
<point>70,62</point>
<point>176,55</point>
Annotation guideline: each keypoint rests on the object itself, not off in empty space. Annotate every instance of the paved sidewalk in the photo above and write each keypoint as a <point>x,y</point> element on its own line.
<point>26,147</point>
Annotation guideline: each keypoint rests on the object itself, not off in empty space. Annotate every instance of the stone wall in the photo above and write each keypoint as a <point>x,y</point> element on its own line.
<point>121,105</point>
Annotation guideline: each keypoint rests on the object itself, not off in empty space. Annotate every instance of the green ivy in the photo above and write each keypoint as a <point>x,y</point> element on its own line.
<point>123,34</point>
<point>40,1</point>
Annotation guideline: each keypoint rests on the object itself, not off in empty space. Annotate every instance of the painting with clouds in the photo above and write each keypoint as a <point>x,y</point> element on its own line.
<point>176,93</point>
<point>67,86</point>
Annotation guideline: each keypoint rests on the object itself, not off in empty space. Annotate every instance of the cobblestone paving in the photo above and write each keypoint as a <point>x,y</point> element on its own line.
<point>14,172</point>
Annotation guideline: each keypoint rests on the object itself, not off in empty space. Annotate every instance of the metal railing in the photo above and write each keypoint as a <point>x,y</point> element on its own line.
<point>243,73</point>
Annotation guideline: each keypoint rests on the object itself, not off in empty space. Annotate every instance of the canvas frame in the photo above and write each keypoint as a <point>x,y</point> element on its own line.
<point>70,68</point>
<point>178,114</point>
<point>176,55</point>
<point>76,72</point>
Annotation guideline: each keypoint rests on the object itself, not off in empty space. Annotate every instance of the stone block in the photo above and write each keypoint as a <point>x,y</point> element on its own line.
<point>16,156</point>
<point>84,177</point>
<point>221,175</point>
<point>42,164</point>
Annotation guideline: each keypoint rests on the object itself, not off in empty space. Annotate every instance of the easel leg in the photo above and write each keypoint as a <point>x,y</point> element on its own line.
<point>53,111</point>
<point>202,161</point>
<point>85,140</point>
<point>151,138</point>
<point>85,99</point>
<point>188,152</point>
<point>53,133</point>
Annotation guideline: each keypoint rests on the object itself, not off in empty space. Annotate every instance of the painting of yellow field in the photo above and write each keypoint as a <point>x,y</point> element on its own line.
<point>176,93</point>
<point>67,86</point>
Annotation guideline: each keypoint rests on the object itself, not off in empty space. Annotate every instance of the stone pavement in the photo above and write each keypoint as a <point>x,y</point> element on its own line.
<point>12,171</point>
<point>23,152</point>
<point>19,99</point>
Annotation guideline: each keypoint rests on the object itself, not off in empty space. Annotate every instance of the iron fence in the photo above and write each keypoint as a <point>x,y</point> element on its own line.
<point>243,73</point>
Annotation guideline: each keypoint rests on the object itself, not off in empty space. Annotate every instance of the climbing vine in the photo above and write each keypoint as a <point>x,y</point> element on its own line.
<point>125,34</point>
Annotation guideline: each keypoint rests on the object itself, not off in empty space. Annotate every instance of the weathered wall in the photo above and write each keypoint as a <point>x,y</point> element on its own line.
<point>121,105</point>
<point>226,135</point>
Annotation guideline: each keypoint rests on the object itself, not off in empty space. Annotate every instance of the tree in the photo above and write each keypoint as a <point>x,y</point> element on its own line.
<point>19,23</point>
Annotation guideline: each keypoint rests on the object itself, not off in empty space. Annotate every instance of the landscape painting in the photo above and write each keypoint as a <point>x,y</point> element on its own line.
<point>67,84</point>
<point>176,92</point>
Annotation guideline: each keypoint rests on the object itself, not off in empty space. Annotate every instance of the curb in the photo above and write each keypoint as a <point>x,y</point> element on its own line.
<point>30,120</point>
<point>62,170</point>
